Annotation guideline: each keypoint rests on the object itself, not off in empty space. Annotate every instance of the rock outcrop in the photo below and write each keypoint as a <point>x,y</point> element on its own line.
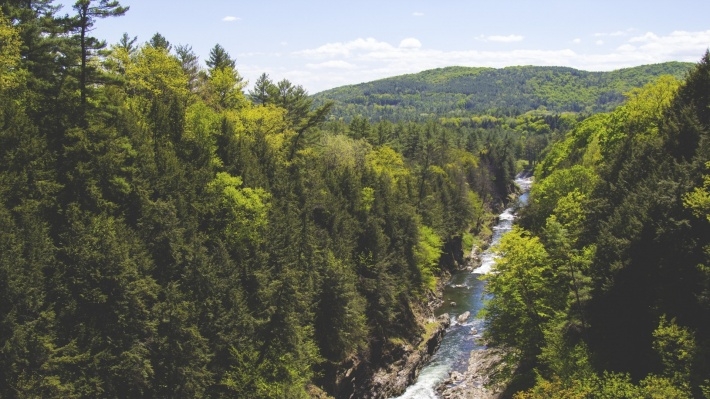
<point>393,379</point>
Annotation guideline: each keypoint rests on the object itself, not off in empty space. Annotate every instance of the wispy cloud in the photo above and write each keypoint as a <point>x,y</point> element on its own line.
<point>599,42</point>
<point>230,18</point>
<point>577,41</point>
<point>418,14</point>
<point>500,38</point>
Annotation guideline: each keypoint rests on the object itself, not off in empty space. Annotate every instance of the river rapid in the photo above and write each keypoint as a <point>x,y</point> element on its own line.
<point>464,293</point>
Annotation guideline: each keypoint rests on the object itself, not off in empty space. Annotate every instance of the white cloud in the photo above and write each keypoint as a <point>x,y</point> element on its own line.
<point>648,37</point>
<point>230,18</point>
<point>346,49</point>
<point>626,48</point>
<point>334,64</point>
<point>615,34</point>
<point>599,42</point>
<point>418,14</point>
<point>410,43</point>
<point>255,54</point>
<point>678,44</point>
<point>500,38</point>
<point>284,43</point>
<point>577,41</point>
<point>366,59</point>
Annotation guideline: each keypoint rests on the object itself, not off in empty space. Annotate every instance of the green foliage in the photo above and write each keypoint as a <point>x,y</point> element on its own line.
<point>640,117</point>
<point>160,42</point>
<point>9,54</point>
<point>242,210</point>
<point>619,206</point>
<point>387,162</point>
<point>226,86</point>
<point>87,12</point>
<point>465,91</point>
<point>698,200</point>
<point>579,146</point>
<point>608,386</point>
<point>161,236</point>
<point>428,252</point>
<point>562,191</point>
<point>153,72</point>
<point>220,59</point>
<point>340,324</point>
<point>676,347</point>
<point>522,298</point>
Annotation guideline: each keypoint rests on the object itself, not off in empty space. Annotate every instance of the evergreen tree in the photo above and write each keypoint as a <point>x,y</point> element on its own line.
<point>159,41</point>
<point>190,64</point>
<point>128,44</point>
<point>219,59</point>
<point>87,11</point>
<point>263,91</point>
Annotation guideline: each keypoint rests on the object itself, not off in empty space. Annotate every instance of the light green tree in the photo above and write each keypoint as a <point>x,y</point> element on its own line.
<point>525,295</point>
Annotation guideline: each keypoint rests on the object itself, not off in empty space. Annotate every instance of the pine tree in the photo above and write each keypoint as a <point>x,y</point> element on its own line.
<point>128,44</point>
<point>263,90</point>
<point>219,59</point>
<point>87,11</point>
<point>159,41</point>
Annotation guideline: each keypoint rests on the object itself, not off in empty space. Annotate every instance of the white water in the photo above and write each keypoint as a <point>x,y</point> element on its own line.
<point>467,290</point>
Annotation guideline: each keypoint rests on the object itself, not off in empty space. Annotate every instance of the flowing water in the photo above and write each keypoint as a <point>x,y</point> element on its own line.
<point>465,292</point>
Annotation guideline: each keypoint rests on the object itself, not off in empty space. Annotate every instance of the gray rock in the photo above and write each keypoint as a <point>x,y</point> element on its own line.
<point>463,316</point>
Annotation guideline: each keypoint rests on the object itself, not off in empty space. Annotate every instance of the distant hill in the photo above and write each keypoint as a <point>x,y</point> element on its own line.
<point>459,91</point>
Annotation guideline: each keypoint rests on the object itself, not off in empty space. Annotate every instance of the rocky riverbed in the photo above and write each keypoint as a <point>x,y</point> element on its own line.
<point>472,383</point>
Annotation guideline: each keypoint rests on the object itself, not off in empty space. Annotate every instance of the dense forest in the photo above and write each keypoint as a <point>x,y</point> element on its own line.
<point>510,91</point>
<point>603,290</point>
<point>164,234</point>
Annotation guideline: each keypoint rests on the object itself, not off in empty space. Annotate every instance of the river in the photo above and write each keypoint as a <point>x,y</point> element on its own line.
<point>467,291</point>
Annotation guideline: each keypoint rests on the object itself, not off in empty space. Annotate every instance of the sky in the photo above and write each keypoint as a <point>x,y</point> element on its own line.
<point>325,44</point>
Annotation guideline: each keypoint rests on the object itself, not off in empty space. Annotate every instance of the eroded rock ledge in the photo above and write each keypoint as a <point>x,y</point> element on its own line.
<point>393,379</point>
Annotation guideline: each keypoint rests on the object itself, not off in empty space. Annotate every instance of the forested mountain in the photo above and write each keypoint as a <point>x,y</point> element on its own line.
<point>162,234</point>
<point>510,91</point>
<point>603,290</point>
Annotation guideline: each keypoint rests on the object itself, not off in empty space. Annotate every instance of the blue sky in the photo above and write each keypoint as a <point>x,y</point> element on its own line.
<point>324,44</point>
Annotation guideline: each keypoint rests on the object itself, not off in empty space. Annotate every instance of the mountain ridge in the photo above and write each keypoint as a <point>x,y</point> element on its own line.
<point>462,91</point>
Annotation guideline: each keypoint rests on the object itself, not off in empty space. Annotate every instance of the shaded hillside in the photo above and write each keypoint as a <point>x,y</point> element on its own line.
<point>601,291</point>
<point>457,91</point>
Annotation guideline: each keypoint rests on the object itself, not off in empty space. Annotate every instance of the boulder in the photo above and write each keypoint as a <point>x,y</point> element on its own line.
<point>463,316</point>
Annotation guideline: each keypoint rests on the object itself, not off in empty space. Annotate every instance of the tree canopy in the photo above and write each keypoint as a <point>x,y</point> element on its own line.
<point>619,208</point>
<point>464,92</point>
<point>162,234</point>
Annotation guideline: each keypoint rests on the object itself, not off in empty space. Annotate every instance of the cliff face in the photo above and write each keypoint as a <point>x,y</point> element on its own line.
<point>388,371</point>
